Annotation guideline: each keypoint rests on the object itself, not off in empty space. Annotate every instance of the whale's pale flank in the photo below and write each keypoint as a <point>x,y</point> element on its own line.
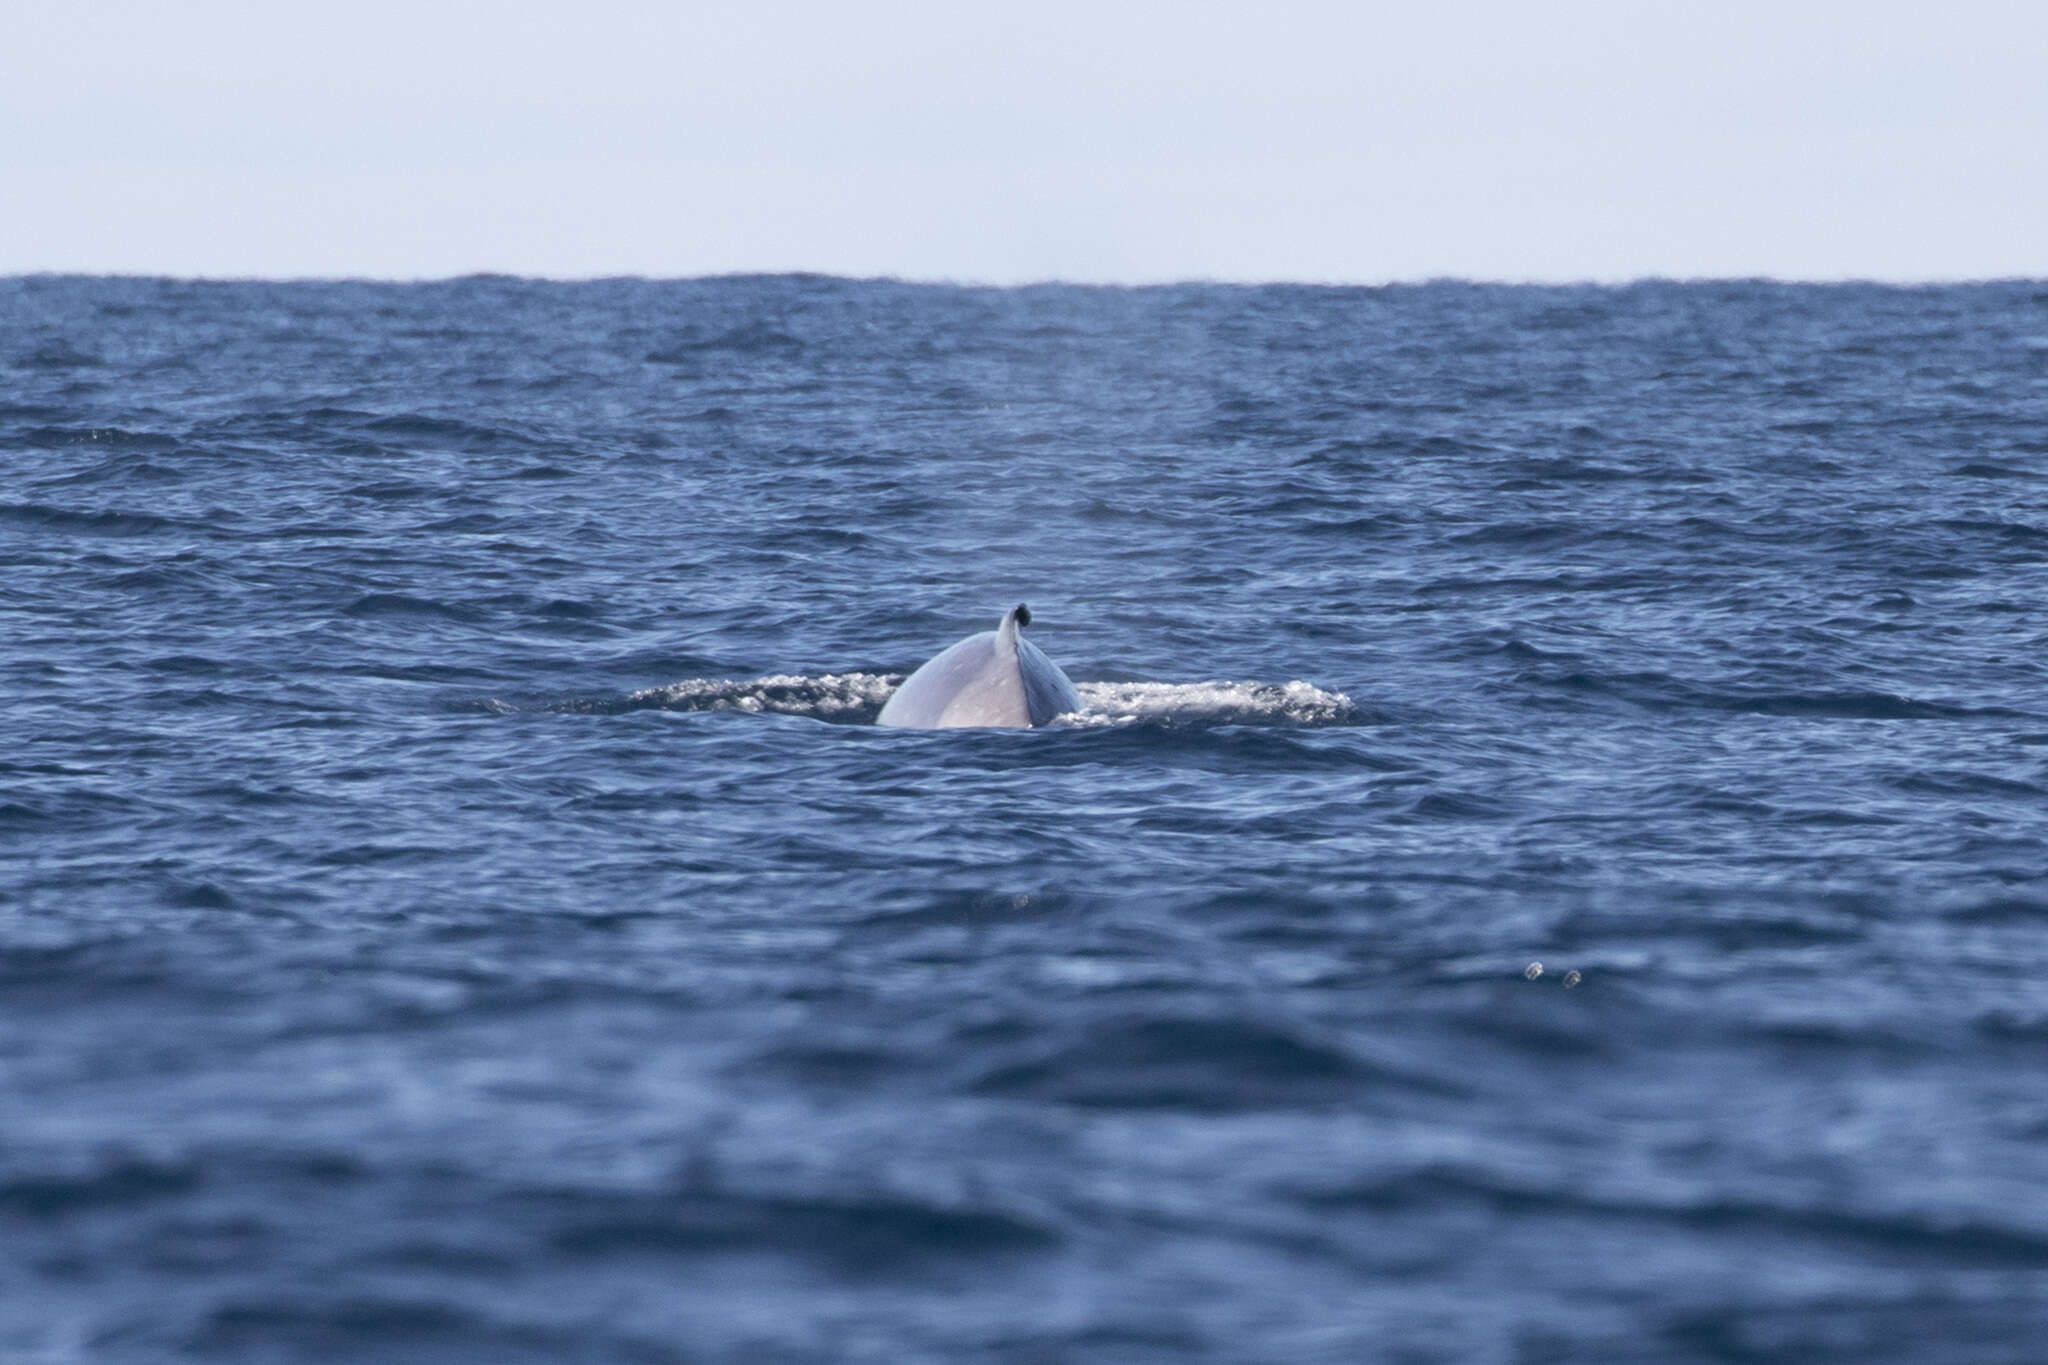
<point>994,678</point>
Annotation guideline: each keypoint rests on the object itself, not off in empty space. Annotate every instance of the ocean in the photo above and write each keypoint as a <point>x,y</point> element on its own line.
<point>1552,866</point>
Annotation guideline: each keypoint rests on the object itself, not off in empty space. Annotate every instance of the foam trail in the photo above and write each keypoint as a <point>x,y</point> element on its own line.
<point>847,698</point>
<point>857,698</point>
<point>1212,703</point>
<point>844,697</point>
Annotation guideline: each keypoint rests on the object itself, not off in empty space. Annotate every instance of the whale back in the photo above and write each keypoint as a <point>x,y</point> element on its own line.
<point>995,678</point>
<point>1048,692</point>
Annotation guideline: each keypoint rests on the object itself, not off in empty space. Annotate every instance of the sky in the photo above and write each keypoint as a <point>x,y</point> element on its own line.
<point>1004,143</point>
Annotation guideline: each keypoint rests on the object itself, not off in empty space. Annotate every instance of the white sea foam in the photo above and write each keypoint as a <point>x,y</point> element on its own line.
<point>826,696</point>
<point>1211,703</point>
<point>856,698</point>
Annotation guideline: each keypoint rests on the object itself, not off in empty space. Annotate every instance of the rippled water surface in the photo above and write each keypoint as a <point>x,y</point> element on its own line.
<point>1551,866</point>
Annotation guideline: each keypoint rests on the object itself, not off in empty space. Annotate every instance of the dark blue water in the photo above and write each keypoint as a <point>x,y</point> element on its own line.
<point>453,905</point>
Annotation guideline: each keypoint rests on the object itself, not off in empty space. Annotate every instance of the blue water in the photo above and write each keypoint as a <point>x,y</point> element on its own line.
<point>1554,865</point>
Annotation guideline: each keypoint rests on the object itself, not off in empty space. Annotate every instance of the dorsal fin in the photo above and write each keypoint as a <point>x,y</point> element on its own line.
<point>993,677</point>
<point>1017,618</point>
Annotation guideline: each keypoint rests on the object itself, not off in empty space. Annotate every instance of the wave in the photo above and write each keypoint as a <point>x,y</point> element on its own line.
<point>857,698</point>
<point>1659,691</point>
<point>66,521</point>
<point>1209,1064</point>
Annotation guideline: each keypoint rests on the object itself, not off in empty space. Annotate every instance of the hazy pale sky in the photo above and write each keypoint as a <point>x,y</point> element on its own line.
<point>1102,142</point>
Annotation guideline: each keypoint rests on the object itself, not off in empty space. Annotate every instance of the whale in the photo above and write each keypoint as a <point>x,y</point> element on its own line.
<point>995,678</point>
